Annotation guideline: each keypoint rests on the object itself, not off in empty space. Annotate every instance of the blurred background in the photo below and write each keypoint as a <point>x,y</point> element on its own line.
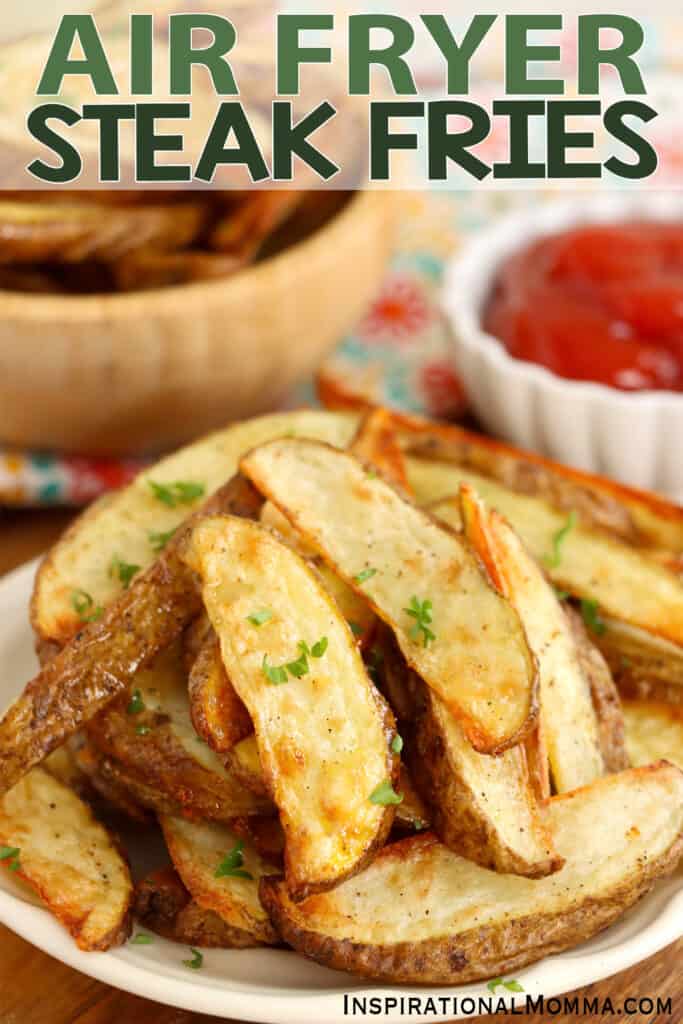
<point>131,323</point>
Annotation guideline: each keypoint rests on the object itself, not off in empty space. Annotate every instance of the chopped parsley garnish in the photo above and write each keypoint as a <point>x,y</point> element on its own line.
<point>141,939</point>
<point>11,854</point>
<point>84,606</point>
<point>277,674</point>
<point>365,575</point>
<point>560,594</point>
<point>385,794</point>
<point>158,541</point>
<point>512,986</point>
<point>141,730</point>
<point>421,611</point>
<point>355,629</point>
<point>181,492</point>
<point>591,616</point>
<point>259,618</point>
<point>232,864</point>
<point>197,959</point>
<point>123,571</point>
<point>554,560</point>
<point>397,744</point>
<point>136,703</point>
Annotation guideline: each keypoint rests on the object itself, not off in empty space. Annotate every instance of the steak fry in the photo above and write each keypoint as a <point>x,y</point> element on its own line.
<point>102,659</point>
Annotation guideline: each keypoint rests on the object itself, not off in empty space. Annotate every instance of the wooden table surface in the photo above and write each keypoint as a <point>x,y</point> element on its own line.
<point>35,989</point>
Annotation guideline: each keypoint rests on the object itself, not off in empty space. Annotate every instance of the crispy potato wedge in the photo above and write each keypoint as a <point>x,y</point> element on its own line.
<point>642,665</point>
<point>604,695</point>
<point>75,231</point>
<point>568,719</point>
<point>482,807</point>
<point>68,859</point>
<point>323,732</point>
<point>590,564</point>
<point>100,662</point>
<point>150,735</point>
<point>114,780</point>
<point>163,904</point>
<point>422,914</point>
<point>264,834</point>
<point>197,851</point>
<point>638,517</point>
<point>132,524</point>
<point>218,714</point>
<point>104,788</point>
<point>653,730</point>
<point>243,231</point>
<point>398,557</point>
<point>376,442</point>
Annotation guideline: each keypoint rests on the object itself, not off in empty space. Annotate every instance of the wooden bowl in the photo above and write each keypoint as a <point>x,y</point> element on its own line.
<point>147,371</point>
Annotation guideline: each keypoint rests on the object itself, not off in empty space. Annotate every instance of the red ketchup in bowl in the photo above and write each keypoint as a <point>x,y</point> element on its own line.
<point>601,302</point>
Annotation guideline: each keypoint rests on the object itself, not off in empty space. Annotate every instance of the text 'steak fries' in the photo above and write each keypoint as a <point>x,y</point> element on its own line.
<point>323,732</point>
<point>454,629</point>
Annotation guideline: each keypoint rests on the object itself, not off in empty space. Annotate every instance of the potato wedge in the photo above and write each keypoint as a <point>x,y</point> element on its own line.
<point>100,662</point>
<point>163,904</point>
<point>474,654</point>
<point>75,231</point>
<point>638,517</point>
<point>150,734</point>
<point>421,914</point>
<point>604,695</point>
<point>323,732</point>
<point>568,718</point>
<point>482,807</point>
<point>376,442</point>
<point>133,524</point>
<point>106,792</point>
<point>218,714</point>
<point>198,850</point>
<point>653,730</point>
<point>591,565</point>
<point>642,665</point>
<point>68,859</point>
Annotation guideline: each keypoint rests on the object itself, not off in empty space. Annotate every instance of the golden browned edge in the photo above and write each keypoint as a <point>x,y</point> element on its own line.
<point>74,923</point>
<point>376,443</point>
<point>604,695</point>
<point>116,778</point>
<point>161,761</point>
<point>102,786</point>
<point>481,742</point>
<point>193,639</point>
<point>644,672</point>
<point>641,517</point>
<point>48,645</point>
<point>100,661</point>
<point>218,715</point>
<point>163,904</point>
<point>452,805</point>
<point>473,955</point>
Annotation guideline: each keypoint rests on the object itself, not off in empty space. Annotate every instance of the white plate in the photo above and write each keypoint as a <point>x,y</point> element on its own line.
<point>274,985</point>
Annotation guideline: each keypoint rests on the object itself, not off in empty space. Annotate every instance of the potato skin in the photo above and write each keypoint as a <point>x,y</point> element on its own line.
<point>97,665</point>
<point>477,954</point>
<point>163,904</point>
<point>605,697</point>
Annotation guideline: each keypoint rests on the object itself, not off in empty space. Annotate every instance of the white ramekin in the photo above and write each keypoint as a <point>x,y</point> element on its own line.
<point>634,437</point>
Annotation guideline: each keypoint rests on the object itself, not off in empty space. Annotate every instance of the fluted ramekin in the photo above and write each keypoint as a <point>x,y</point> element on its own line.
<point>634,437</point>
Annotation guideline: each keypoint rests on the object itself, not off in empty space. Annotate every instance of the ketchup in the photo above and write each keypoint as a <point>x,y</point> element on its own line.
<point>601,302</point>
